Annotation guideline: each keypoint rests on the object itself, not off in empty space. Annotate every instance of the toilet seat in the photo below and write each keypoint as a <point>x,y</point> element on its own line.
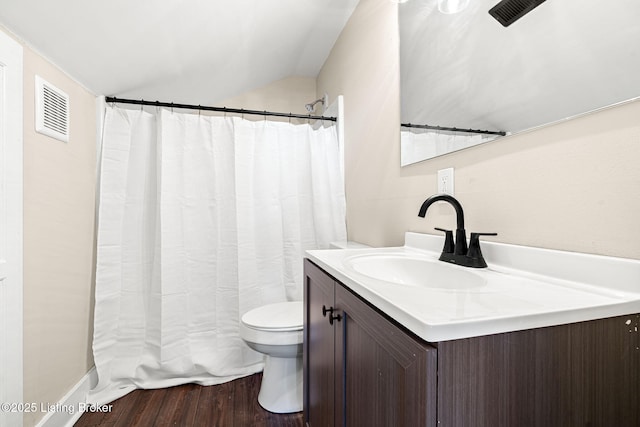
<point>278,317</point>
<point>273,324</point>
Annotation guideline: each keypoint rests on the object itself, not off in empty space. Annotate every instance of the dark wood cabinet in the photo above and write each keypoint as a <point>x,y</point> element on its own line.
<point>364,369</point>
<point>580,374</point>
<point>360,368</point>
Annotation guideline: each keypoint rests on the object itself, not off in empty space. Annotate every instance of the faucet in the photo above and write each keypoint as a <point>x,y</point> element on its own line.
<point>458,252</point>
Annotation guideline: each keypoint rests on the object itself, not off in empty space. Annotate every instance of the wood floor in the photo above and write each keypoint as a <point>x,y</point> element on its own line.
<point>233,404</point>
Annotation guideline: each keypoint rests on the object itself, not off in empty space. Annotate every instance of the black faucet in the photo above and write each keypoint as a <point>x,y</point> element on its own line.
<point>458,253</point>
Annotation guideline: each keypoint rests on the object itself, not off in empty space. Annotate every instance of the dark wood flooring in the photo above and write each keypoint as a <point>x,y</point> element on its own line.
<point>233,404</point>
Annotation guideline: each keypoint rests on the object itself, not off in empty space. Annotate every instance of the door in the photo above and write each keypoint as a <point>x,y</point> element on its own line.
<point>320,397</point>
<point>389,376</point>
<point>10,231</point>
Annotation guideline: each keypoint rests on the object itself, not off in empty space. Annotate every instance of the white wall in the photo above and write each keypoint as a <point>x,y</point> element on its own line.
<point>572,186</point>
<point>288,95</point>
<point>59,188</point>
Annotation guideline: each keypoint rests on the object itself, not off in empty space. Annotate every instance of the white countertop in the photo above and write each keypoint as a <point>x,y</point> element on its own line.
<point>523,288</point>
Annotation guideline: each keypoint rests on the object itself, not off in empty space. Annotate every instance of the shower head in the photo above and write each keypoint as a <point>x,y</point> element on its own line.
<point>312,106</point>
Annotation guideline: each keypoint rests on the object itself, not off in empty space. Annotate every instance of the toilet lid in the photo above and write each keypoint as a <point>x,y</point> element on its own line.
<point>282,316</point>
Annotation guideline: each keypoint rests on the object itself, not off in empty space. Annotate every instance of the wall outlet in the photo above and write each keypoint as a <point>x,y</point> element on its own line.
<point>445,181</point>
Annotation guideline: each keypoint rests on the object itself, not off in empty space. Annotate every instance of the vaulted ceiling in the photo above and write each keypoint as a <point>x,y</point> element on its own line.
<point>189,51</point>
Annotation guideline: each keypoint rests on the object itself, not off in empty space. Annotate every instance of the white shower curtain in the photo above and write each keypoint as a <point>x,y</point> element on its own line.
<point>200,220</point>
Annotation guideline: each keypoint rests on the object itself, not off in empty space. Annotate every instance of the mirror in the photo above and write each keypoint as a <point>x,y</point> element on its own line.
<point>467,71</point>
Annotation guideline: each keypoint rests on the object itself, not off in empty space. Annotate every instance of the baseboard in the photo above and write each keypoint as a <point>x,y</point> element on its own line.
<point>69,409</point>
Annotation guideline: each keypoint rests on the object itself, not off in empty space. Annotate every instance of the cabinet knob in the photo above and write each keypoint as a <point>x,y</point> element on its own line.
<point>337,317</point>
<point>326,310</point>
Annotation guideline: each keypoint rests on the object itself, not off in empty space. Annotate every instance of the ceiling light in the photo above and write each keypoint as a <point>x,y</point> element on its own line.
<point>452,6</point>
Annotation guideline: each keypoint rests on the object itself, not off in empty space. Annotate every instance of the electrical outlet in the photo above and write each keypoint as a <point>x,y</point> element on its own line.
<point>445,181</point>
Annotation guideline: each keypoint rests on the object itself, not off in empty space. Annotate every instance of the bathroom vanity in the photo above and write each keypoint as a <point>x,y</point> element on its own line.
<point>380,350</point>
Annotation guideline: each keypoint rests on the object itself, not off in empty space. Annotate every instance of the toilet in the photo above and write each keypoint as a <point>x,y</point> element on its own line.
<point>276,331</point>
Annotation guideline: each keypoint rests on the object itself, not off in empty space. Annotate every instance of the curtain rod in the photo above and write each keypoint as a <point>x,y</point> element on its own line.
<point>487,132</point>
<point>219,109</point>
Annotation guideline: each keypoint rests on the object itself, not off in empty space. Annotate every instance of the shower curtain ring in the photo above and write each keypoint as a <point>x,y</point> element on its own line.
<point>141,104</point>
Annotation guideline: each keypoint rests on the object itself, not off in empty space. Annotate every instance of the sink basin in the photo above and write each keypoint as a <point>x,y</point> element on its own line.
<point>414,271</point>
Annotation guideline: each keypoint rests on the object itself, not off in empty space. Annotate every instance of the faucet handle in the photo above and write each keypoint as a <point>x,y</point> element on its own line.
<point>448,241</point>
<point>474,248</point>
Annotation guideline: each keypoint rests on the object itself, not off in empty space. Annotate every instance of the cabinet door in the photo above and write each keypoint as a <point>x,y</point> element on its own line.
<point>389,376</point>
<point>318,349</point>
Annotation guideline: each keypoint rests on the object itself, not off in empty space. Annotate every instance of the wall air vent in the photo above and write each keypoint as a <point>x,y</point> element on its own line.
<point>52,110</point>
<point>509,11</point>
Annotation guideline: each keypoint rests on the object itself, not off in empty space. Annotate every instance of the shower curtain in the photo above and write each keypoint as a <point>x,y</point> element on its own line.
<point>200,220</point>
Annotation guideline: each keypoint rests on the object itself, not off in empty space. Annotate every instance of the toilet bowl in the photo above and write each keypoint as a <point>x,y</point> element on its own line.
<point>276,331</point>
